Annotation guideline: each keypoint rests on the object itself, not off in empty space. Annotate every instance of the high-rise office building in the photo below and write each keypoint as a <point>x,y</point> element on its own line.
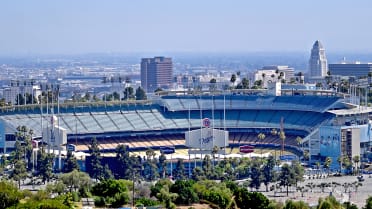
<point>351,69</point>
<point>156,73</point>
<point>318,66</point>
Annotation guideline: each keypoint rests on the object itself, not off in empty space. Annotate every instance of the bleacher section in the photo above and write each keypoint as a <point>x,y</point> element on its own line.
<point>308,103</point>
<point>178,140</point>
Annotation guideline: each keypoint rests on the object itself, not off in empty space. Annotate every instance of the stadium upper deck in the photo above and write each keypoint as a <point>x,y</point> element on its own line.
<point>252,102</point>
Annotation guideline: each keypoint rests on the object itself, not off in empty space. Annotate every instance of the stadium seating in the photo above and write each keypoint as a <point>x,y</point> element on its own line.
<point>177,114</point>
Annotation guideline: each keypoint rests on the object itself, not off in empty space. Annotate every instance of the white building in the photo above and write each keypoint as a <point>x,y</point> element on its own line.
<point>274,73</point>
<point>17,87</point>
<point>318,66</point>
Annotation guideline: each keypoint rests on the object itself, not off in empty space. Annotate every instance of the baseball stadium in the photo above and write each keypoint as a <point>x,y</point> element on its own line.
<point>321,122</point>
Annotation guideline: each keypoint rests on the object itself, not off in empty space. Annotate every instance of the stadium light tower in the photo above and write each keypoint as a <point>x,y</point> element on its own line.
<point>282,134</point>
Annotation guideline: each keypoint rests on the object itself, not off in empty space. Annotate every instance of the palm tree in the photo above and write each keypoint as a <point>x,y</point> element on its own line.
<point>356,160</point>
<point>274,132</point>
<point>261,137</point>
<point>282,137</point>
<point>232,80</point>
<point>214,152</point>
<point>339,160</point>
<point>317,165</point>
<point>327,163</point>
<point>299,143</point>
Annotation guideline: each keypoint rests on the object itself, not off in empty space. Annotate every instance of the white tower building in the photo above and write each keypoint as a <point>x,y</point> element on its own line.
<point>318,66</point>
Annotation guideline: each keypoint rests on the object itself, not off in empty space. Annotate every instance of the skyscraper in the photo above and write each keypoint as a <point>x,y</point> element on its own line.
<point>156,73</point>
<point>318,66</point>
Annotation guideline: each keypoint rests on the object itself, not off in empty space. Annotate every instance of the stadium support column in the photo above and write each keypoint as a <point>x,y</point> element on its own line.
<point>59,157</point>
<point>171,167</point>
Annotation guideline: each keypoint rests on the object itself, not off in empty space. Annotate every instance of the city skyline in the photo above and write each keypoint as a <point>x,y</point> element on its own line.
<point>76,27</point>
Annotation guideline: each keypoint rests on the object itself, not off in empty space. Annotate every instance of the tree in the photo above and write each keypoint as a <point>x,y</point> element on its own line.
<point>346,163</point>
<point>19,172</point>
<point>207,166</point>
<point>256,174</point>
<point>356,160</point>
<point>150,166</point>
<point>368,203</point>
<point>9,195</point>
<point>263,78</point>
<point>218,195</point>
<point>198,174</point>
<point>245,83</point>
<point>214,152</point>
<point>122,156</point>
<point>339,160</point>
<point>23,149</point>
<point>128,93</point>
<point>299,143</point>
<point>257,84</point>
<point>76,180</point>
<point>233,79</point>
<point>212,84</point>
<point>87,96</point>
<point>162,164</point>
<point>290,204</point>
<point>140,94</point>
<point>155,189</point>
<point>45,165</point>
<point>20,100</point>
<point>319,85</point>
<point>179,171</point>
<point>95,163</point>
<point>70,163</point>
<point>250,200</point>
<point>185,191</point>
<point>107,173</point>
<point>269,173</point>
<point>261,137</point>
<point>18,151</point>
<point>116,96</point>
<point>114,192</point>
<point>282,137</point>
<point>298,171</point>
<point>328,203</point>
<point>327,163</point>
<point>287,176</point>
<point>167,197</point>
<point>2,102</point>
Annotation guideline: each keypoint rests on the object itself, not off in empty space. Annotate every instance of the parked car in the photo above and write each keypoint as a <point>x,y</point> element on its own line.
<point>360,178</point>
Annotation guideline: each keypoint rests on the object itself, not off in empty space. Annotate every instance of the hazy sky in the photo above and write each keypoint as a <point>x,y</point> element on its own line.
<point>85,26</point>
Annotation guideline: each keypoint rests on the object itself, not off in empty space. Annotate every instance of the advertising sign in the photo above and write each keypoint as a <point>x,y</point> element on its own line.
<point>167,150</point>
<point>246,149</point>
<point>207,138</point>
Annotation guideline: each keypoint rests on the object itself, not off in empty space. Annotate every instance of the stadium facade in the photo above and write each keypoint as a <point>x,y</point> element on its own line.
<point>327,125</point>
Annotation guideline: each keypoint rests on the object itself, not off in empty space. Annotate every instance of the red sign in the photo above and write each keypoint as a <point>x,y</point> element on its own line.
<point>246,149</point>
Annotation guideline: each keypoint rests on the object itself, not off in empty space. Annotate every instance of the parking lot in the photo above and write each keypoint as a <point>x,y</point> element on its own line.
<point>312,190</point>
